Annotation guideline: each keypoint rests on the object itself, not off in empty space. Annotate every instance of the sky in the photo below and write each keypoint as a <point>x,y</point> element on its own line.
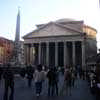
<point>33,12</point>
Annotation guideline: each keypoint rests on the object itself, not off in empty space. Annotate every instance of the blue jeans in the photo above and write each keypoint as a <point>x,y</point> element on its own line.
<point>38,86</point>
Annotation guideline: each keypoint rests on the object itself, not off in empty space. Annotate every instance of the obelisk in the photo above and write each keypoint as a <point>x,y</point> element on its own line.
<point>17,40</point>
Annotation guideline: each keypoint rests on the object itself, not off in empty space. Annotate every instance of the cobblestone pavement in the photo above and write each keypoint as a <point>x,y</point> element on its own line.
<point>22,92</point>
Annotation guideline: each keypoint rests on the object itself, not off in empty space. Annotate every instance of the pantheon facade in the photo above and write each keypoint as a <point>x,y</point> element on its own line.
<point>60,43</point>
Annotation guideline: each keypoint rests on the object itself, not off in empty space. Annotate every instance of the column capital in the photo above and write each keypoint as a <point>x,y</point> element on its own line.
<point>47,43</point>
<point>64,43</point>
<point>56,43</point>
<point>73,42</point>
<point>47,53</point>
<point>39,42</point>
<point>83,43</point>
<point>31,45</point>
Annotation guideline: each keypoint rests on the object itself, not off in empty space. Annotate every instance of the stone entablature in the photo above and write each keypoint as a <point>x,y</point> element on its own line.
<point>54,39</point>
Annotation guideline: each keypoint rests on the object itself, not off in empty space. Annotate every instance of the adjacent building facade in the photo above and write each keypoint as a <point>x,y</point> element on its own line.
<point>6,50</point>
<point>60,43</point>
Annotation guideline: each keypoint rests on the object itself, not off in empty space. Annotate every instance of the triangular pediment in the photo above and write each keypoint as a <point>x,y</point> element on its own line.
<point>52,29</point>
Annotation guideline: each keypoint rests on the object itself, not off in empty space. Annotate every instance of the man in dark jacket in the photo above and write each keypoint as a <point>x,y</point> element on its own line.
<point>30,72</point>
<point>22,72</point>
<point>9,83</point>
<point>52,76</point>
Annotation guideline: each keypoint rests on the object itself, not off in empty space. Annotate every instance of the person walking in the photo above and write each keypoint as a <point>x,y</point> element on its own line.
<point>22,74</point>
<point>30,72</point>
<point>73,72</point>
<point>68,80</point>
<point>52,76</point>
<point>39,77</point>
<point>9,83</point>
<point>56,80</point>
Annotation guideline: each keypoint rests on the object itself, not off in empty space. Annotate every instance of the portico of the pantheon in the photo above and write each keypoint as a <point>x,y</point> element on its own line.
<point>60,43</point>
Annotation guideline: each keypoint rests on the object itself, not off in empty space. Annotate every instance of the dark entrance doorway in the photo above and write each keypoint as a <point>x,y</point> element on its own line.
<point>78,52</point>
<point>60,54</point>
<point>51,54</point>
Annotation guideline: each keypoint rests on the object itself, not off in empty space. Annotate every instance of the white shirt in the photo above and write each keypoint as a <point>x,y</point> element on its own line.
<point>39,76</point>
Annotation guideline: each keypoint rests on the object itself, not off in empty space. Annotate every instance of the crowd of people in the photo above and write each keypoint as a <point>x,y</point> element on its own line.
<point>39,74</point>
<point>93,77</point>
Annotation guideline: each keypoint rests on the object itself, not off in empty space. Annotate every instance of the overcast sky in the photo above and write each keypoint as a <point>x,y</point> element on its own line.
<point>34,12</point>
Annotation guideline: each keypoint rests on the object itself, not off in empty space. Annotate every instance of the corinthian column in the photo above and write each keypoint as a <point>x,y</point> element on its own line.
<point>83,54</point>
<point>56,53</point>
<point>47,54</point>
<point>25,53</point>
<point>65,62</point>
<point>30,53</point>
<point>39,53</point>
<point>73,50</point>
